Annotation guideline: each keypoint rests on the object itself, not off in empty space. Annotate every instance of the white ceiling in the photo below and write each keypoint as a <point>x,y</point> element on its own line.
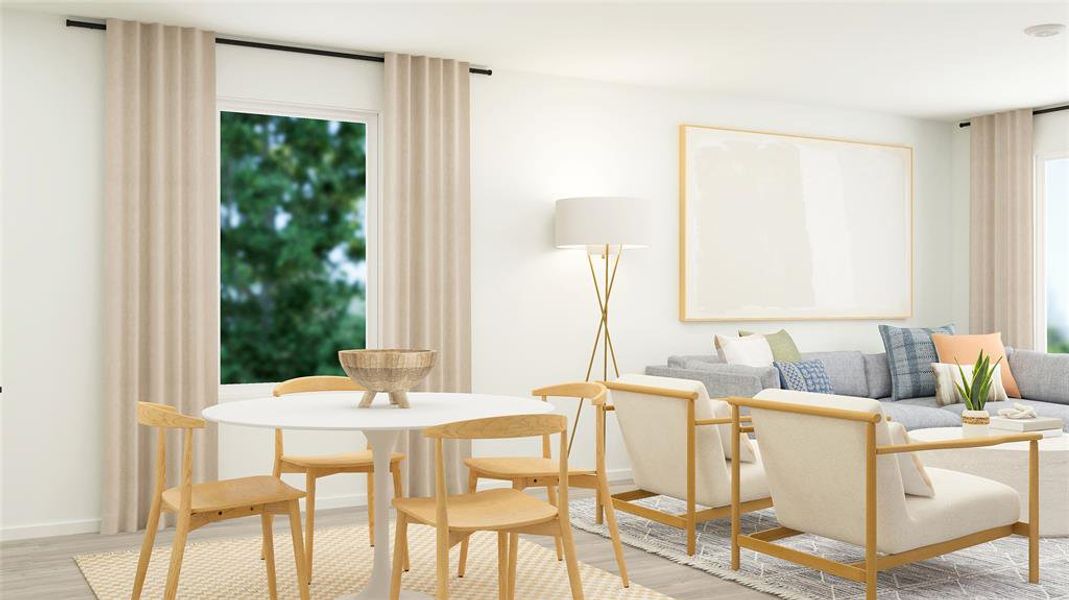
<point>943,60</point>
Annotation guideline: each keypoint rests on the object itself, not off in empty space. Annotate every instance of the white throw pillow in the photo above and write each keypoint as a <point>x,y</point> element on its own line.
<point>947,376</point>
<point>752,350</point>
<point>915,479</point>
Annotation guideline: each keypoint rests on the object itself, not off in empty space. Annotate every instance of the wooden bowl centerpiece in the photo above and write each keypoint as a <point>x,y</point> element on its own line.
<point>390,371</point>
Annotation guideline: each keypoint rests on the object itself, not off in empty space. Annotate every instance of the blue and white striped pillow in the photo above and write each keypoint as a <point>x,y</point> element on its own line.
<point>910,354</point>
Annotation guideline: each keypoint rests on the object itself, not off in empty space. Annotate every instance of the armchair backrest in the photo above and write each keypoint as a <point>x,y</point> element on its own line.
<point>816,450</point>
<point>656,417</point>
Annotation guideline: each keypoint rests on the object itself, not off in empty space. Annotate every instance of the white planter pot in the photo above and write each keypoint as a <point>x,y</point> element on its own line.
<point>975,423</point>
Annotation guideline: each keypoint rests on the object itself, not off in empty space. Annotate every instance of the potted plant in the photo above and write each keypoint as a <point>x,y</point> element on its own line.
<point>974,391</point>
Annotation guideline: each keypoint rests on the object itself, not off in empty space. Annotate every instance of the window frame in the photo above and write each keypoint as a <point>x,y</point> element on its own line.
<point>373,199</point>
<point>1040,276</point>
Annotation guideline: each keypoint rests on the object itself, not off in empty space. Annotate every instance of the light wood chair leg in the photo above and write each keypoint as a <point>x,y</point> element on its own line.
<point>310,525</point>
<point>298,549</point>
<point>269,555</point>
<point>570,559</point>
<point>441,563</point>
<point>514,553</point>
<point>178,548</point>
<point>400,555</point>
<point>371,507</point>
<point>614,533</point>
<point>146,548</point>
<point>599,507</point>
<point>263,549</point>
<point>398,492</point>
<point>462,564</point>
<point>551,492</point>
<point>502,565</point>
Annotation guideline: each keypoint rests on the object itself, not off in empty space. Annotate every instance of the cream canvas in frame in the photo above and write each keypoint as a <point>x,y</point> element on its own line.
<point>787,227</point>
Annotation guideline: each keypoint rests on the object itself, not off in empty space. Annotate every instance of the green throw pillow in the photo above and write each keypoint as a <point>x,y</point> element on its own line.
<point>783,348</point>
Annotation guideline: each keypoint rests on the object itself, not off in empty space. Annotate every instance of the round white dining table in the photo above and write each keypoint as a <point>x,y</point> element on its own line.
<point>381,425</point>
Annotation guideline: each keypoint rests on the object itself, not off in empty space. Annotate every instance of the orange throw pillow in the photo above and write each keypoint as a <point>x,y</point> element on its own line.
<point>964,349</point>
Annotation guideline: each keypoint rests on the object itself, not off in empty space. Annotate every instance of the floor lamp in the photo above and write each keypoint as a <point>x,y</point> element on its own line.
<point>603,227</point>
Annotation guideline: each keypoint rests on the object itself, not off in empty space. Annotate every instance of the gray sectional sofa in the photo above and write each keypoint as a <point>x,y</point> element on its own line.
<point>1043,380</point>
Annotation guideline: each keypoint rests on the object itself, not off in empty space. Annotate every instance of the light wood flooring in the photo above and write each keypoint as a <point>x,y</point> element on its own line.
<point>43,568</point>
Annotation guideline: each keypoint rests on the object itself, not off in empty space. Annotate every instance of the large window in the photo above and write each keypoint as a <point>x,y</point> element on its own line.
<point>293,210</point>
<point>1054,188</point>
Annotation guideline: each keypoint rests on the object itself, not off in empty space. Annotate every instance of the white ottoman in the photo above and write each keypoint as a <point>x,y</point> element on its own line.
<point>1008,463</point>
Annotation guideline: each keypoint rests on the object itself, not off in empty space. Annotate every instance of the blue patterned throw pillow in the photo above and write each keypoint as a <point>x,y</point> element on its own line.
<point>804,376</point>
<point>910,354</point>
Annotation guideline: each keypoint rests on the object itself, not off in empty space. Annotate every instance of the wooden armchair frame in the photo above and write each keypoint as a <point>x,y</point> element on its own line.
<point>688,521</point>
<point>866,571</point>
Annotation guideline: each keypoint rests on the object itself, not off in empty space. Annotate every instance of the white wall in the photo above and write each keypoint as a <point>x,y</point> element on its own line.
<point>534,139</point>
<point>53,121</point>
<point>539,138</point>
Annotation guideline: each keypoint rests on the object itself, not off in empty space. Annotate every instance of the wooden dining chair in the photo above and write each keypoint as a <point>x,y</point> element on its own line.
<point>196,505</point>
<point>508,512</point>
<point>316,466</point>
<point>527,471</point>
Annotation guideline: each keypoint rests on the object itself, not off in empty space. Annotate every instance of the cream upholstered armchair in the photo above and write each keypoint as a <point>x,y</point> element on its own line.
<point>833,471</point>
<point>679,443</point>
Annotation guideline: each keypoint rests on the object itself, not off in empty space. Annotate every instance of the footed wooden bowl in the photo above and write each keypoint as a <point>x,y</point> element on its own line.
<point>391,371</point>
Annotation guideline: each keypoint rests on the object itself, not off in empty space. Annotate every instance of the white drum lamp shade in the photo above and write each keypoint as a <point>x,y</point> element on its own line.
<point>602,220</point>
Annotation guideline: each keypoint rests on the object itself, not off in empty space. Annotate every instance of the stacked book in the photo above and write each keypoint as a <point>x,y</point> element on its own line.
<point>1048,426</point>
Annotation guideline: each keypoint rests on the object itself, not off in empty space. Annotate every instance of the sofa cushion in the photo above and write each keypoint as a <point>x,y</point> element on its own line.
<point>910,354</point>
<point>915,480</point>
<point>877,374</point>
<point>965,349</point>
<point>915,416</point>
<point>948,378</point>
<point>962,504</point>
<point>846,369</point>
<point>783,347</point>
<point>768,376</point>
<point>804,376</point>
<point>723,380</point>
<point>1041,376</point>
<point>681,360</point>
<point>752,351</point>
<point>929,401</point>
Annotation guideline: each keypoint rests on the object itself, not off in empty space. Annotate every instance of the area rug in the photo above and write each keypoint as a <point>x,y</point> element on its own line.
<point>997,569</point>
<point>232,569</point>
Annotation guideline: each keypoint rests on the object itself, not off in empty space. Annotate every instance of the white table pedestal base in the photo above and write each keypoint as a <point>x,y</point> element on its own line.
<point>382,443</point>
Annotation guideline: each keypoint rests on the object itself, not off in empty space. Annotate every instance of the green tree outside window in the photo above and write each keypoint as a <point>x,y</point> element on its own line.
<point>293,243</point>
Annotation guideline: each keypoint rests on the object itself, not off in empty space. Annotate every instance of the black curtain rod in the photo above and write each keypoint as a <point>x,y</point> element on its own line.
<point>280,47</point>
<point>1038,111</point>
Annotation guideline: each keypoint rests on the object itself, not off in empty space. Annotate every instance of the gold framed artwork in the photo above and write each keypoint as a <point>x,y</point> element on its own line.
<point>789,227</point>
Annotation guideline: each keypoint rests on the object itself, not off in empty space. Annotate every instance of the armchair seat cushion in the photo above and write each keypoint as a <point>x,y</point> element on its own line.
<point>963,504</point>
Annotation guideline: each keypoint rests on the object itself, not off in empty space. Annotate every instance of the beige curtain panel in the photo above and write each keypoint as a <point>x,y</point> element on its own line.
<point>161,203</point>
<point>426,242</point>
<point>1002,273</point>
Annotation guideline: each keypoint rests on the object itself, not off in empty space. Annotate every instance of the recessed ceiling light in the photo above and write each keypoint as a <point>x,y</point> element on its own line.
<point>1045,30</point>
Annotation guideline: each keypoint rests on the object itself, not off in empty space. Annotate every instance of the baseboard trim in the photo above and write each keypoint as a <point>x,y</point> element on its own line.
<point>53,529</point>
<point>78,526</point>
